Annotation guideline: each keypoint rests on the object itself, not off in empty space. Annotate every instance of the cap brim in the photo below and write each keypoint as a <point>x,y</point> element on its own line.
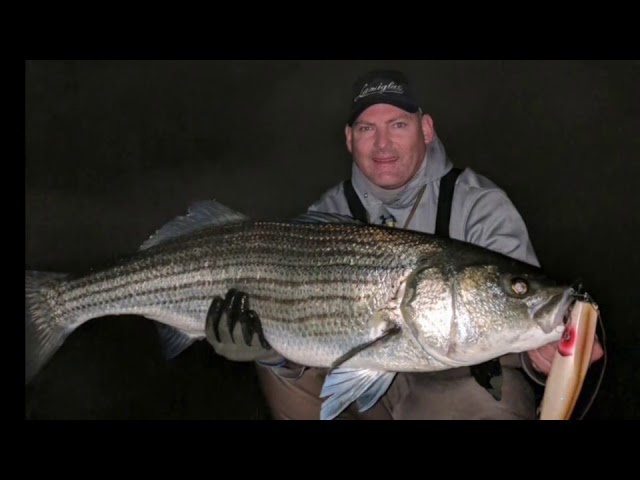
<point>404,104</point>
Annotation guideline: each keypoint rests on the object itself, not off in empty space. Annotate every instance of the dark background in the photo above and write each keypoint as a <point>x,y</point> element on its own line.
<point>116,148</point>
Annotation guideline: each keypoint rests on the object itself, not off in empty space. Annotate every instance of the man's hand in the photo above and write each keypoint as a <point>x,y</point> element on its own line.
<point>235,331</point>
<point>542,357</point>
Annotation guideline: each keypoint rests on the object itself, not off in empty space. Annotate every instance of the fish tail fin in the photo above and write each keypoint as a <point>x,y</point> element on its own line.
<point>44,334</point>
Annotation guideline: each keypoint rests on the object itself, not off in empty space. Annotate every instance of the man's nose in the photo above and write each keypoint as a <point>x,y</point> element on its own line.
<point>382,138</point>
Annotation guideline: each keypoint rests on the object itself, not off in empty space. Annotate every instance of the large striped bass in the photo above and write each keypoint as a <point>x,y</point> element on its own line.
<point>367,301</point>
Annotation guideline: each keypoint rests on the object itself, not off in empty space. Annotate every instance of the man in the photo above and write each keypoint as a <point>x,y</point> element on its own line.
<point>397,177</point>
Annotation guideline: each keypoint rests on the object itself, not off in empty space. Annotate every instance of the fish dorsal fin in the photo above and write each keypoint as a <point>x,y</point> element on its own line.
<point>324,217</point>
<point>200,214</point>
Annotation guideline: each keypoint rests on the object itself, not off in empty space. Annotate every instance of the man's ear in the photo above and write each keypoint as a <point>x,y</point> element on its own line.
<point>348,133</point>
<point>427,128</point>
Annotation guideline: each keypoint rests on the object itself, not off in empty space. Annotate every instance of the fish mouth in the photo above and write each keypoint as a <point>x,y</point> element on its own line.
<point>554,312</point>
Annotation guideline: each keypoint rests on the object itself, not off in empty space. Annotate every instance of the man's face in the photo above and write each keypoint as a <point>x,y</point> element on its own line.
<point>388,144</point>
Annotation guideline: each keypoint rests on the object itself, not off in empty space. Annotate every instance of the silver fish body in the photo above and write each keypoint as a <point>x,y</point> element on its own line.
<point>377,300</point>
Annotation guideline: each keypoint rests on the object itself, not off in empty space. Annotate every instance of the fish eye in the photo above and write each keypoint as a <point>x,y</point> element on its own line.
<point>520,286</point>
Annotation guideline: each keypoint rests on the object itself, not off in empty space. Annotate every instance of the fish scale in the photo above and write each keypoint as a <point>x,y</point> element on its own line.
<point>324,288</point>
<point>319,272</point>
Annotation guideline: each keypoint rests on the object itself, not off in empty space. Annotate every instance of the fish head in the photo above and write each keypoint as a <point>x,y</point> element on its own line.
<point>469,313</point>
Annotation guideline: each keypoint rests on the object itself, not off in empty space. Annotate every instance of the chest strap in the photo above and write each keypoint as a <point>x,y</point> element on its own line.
<point>355,205</point>
<point>445,200</point>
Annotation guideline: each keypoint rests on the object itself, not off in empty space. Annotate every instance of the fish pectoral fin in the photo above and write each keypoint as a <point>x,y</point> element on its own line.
<point>386,329</point>
<point>369,398</point>
<point>172,340</point>
<point>344,386</point>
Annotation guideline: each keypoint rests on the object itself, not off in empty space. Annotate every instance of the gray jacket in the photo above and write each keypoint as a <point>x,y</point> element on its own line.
<point>481,213</point>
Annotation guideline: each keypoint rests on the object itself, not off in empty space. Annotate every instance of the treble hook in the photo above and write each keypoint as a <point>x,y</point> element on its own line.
<point>578,294</point>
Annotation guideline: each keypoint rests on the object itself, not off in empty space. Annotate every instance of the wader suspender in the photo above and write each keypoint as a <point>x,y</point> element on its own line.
<point>487,374</point>
<point>445,199</point>
<point>355,205</point>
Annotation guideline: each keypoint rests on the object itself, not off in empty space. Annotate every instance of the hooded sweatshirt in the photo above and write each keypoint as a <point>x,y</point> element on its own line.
<point>481,212</point>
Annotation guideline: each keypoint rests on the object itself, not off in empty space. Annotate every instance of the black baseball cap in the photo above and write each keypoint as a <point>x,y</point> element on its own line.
<point>382,86</point>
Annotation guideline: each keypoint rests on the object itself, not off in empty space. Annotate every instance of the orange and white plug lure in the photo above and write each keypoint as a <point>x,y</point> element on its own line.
<point>570,363</point>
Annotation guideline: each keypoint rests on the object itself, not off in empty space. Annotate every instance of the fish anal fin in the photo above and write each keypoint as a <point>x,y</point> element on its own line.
<point>173,341</point>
